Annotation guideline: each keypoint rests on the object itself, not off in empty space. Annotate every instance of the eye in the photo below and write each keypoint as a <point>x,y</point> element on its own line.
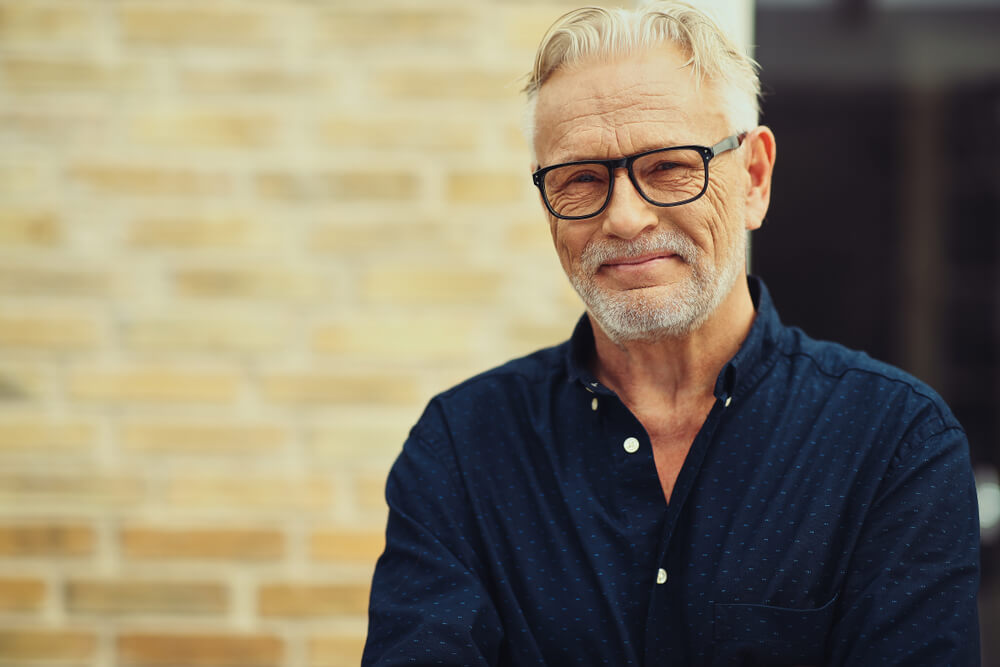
<point>576,178</point>
<point>666,166</point>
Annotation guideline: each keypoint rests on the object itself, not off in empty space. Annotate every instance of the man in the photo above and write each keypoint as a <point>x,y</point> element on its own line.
<point>686,481</point>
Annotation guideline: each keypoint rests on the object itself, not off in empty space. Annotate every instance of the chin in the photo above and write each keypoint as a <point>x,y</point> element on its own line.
<point>657,312</point>
<point>646,314</point>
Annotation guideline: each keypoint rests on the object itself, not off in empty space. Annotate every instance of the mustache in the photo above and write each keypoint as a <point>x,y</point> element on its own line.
<point>672,241</point>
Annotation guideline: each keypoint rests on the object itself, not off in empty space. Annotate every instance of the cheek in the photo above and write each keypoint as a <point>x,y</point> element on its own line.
<point>568,241</point>
<point>721,219</point>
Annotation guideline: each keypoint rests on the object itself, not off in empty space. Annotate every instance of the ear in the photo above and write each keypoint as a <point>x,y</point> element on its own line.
<point>761,152</point>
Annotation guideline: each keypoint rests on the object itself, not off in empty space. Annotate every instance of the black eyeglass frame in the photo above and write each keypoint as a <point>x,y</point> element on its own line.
<point>707,153</point>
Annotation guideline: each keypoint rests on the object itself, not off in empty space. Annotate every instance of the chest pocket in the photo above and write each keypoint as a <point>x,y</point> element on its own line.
<point>760,634</point>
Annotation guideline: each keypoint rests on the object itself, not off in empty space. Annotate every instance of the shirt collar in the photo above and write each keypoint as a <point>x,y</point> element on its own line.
<point>739,374</point>
<point>580,352</point>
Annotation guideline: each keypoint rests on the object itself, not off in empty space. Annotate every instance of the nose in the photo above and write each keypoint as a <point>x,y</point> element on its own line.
<point>628,215</point>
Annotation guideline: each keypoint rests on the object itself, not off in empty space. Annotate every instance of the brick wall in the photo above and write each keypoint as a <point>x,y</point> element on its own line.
<point>241,244</point>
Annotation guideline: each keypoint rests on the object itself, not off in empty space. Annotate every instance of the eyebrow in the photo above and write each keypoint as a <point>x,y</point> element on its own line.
<point>645,149</point>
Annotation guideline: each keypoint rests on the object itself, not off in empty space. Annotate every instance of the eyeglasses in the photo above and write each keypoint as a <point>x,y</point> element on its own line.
<point>663,177</point>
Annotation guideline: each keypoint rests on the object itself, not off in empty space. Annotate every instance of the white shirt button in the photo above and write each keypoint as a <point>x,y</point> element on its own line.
<point>631,445</point>
<point>729,399</point>
<point>593,404</point>
<point>661,576</point>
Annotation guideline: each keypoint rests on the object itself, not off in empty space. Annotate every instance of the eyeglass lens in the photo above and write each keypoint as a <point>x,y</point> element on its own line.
<point>664,177</point>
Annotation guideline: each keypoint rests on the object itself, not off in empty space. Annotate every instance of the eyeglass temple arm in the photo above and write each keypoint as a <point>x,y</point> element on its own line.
<point>729,143</point>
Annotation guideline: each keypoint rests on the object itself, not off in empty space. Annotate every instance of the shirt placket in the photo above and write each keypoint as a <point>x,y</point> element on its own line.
<point>636,499</point>
<point>637,493</point>
<point>668,604</point>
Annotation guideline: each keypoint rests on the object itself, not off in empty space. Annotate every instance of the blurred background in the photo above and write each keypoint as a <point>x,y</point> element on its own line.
<point>242,243</point>
<point>884,227</point>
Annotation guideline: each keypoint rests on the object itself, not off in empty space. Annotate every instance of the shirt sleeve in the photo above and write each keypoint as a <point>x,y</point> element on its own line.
<point>910,593</point>
<point>429,603</point>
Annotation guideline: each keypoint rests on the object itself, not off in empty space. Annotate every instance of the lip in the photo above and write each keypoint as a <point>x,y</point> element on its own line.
<point>640,260</point>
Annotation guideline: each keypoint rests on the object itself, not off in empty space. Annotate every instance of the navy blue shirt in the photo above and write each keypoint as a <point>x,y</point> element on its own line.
<point>825,514</point>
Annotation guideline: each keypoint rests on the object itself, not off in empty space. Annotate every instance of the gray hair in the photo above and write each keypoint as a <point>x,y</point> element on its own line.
<point>609,33</point>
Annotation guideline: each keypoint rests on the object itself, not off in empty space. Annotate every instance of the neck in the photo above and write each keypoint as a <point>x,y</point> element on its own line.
<point>678,370</point>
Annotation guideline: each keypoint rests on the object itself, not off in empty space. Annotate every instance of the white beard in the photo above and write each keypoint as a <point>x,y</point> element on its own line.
<point>665,311</point>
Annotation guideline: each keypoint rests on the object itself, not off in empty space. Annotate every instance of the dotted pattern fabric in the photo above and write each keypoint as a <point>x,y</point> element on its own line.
<point>825,514</point>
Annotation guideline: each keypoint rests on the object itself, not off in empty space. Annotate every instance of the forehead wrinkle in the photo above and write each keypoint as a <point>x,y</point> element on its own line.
<point>602,104</point>
<point>568,137</point>
<point>641,100</point>
<point>615,137</point>
<point>572,134</point>
<point>630,143</point>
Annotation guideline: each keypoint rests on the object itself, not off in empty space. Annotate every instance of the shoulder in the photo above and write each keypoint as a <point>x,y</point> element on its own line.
<point>860,379</point>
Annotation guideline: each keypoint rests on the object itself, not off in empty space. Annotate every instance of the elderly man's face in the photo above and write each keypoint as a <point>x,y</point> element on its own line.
<point>645,271</point>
